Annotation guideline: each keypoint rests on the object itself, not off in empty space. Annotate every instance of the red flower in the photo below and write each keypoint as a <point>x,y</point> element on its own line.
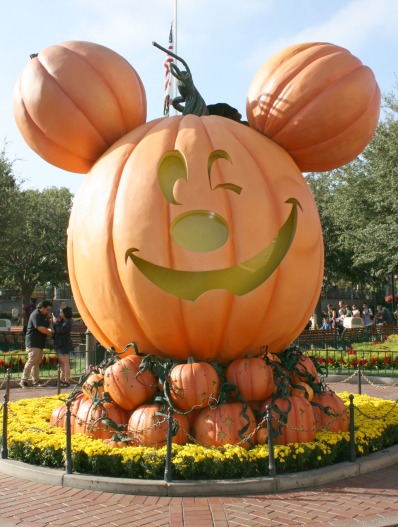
<point>330,361</point>
<point>374,361</point>
<point>386,360</point>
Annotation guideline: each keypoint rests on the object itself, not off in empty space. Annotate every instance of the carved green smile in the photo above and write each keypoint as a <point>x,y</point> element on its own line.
<point>238,279</point>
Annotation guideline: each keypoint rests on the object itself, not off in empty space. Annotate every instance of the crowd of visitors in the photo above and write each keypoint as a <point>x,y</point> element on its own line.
<point>334,317</point>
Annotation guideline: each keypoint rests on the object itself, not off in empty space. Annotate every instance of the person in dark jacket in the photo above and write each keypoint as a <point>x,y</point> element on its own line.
<point>36,335</point>
<point>63,342</point>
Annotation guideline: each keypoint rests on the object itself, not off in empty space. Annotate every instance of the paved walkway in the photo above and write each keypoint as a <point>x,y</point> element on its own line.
<point>366,500</point>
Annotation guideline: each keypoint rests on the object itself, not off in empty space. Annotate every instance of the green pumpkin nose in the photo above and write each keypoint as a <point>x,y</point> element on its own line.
<point>199,230</point>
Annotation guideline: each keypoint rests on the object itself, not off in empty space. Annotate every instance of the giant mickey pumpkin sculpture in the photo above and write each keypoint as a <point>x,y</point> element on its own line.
<point>195,235</point>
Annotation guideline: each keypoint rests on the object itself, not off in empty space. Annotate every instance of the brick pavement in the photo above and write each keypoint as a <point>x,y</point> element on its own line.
<point>366,500</point>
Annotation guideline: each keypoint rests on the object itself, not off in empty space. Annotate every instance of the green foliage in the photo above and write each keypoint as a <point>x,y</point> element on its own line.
<point>33,441</point>
<point>358,207</point>
<point>33,226</point>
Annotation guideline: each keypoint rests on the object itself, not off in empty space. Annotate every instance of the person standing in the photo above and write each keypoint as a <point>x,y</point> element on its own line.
<point>36,335</point>
<point>367,315</point>
<point>58,311</point>
<point>63,342</point>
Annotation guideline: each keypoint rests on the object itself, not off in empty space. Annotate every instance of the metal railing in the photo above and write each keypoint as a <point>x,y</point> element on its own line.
<point>339,361</point>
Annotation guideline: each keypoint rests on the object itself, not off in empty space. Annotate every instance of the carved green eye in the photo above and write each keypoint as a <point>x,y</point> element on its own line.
<point>172,167</point>
<point>221,154</point>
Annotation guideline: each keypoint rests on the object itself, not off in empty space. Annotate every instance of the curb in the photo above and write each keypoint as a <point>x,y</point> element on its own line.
<point>226,487</point>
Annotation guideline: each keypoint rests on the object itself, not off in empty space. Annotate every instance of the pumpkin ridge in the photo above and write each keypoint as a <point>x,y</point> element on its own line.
<point>347,132</point>
<point>115,192</point>
<point>39,132</point>
<point>86,315</point>
<point>255,154</point>
<point>81,110</point>
<point>323,92</point>
<point>229,303</point>
<point>103,82</point>
<point>183,333</point>
<point>301,103</point>
<point>121,293</point>
<point>320,53</point>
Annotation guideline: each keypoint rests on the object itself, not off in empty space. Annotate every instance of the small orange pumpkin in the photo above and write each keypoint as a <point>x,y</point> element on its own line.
<point>93,386</point>
<point>253,377</point>
<point>150,429</point>
<point>74,100</point>
<point>300,426</point>
<point>125,387</point>
<point>339,422</point>
<point>302,389</point>
<point>88,419</point>
<point>224,425</point>
<point>192,384</point>
<point>305,371</point>
<point>318,102</point>
<point>58,416</point>
<point>262,436</point>
<point>116,441</point>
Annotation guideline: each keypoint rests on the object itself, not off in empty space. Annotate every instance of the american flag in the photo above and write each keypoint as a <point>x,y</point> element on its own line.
<point>167,86</point>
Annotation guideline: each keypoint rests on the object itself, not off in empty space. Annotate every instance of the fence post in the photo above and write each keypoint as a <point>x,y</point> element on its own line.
<point>327,363</point>
<point>353,455</point>
<point>68,450</point>
<point>4,446</point>
<point>59,379</point>
<point>167,469</point>
<point>271,457</point>
<point>90,349</point>
<point>359,380</point>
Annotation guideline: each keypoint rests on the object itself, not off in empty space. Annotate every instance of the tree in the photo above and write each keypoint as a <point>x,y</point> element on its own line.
<point>358,205</point>
<point>9,189</point>
<point>34,225</point>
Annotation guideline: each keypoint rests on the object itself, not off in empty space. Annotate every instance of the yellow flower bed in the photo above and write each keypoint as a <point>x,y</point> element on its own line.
<point>33,440</point>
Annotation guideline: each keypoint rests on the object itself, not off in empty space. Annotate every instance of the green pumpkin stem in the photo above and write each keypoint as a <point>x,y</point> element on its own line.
<point>194,102</point>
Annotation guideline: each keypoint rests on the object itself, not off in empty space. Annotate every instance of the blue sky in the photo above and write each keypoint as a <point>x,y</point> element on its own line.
<point>224,43</point>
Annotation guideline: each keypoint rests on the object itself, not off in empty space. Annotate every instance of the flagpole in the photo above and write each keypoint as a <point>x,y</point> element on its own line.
<point>173,81</point>
<point>175,27</point>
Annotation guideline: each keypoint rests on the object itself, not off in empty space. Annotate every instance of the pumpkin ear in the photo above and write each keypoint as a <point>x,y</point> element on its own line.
<point>74,100</point>
<point>317,101</point>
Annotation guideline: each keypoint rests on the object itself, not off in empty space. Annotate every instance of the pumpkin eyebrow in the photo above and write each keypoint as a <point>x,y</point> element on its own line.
<point>172,167</point>
<point>221,154</point>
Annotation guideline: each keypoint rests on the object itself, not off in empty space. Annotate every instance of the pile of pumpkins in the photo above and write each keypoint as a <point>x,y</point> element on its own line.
<point>125,401</point>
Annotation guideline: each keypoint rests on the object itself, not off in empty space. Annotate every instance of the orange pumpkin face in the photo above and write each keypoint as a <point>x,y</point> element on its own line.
<point>85,97</point>
<point>207,232</point>
<point>318,101</point>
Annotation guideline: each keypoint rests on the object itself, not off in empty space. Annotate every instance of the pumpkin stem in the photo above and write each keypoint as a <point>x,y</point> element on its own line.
<point>194,102</point>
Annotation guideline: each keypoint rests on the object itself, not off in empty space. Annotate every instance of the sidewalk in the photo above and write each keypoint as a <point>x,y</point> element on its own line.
<point>366,500</point>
